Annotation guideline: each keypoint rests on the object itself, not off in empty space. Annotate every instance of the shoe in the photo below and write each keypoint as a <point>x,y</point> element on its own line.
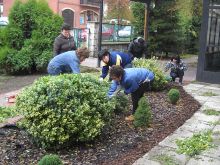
<point>129,118</point>
<point>180,83</point>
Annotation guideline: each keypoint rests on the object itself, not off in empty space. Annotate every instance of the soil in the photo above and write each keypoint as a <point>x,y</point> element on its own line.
<point>119,144</point>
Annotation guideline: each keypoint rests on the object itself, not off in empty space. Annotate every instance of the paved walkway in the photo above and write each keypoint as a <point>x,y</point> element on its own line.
<point>198,122</point>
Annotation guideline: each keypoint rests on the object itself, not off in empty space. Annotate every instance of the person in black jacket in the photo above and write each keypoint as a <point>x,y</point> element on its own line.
<point>138,48</point>
<point>64,42</point>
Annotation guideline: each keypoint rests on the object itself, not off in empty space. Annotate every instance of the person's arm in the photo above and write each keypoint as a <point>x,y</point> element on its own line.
<point>105,69</point>
<point>114,88</point>
<point>167,67</point>
<point>56,47</point>
<point>75,67</point>
<point>184,66</point>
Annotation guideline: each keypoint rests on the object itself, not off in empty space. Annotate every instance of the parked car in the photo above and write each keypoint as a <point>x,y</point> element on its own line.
<point>125,32</point>
<point>107,33</point>
<point>3,21</point>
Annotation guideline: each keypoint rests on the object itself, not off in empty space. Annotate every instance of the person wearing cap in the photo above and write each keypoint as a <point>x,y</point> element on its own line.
<point>138,48</point>
<point>134,81</point>
<point>68,62</point>
<point>64,42</point>
<point>113,58</point>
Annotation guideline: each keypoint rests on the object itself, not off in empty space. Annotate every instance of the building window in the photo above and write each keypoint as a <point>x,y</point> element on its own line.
<point>82,18</point>
<point>88,15</point>
<point>213,39</point>
<point>1,9</point>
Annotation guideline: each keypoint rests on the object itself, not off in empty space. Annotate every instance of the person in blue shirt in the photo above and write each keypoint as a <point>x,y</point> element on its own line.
<point>68,62</point>
<point>113,58</point>
<point>134,81</point>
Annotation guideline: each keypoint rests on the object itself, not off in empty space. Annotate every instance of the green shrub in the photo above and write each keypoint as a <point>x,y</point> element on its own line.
<point>143,114</point>
<point>173,95</point>
<point>60,108</point>
<point>121,102</point>
<point>31,32</point>
<point>50,160</point>
<point>7,112</point>
<point>152,64</point>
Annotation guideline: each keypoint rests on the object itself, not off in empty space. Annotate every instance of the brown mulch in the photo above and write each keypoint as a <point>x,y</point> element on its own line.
<point>120,144</point>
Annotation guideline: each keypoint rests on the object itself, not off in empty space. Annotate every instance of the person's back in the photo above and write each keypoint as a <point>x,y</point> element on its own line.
<point>138,47</point>
<point>115,56</point>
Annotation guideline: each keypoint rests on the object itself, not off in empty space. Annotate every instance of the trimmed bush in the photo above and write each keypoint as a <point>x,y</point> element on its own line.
<point>31,32</point>
<point>50,160</point>
<point>152,64</point>
<point>69,106</point>
<point>121,103</point>
<point>173,95</point>
<point>143,114</point>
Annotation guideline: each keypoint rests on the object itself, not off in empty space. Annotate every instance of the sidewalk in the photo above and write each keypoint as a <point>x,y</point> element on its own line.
<point>198,122</point>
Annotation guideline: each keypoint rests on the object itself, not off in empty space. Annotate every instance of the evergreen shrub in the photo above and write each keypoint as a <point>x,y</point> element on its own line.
<point>152,64</point>
<point>50,160</point>
<point>69,106</point>
<point>173,95</point>
<point>143,114</point>
<point>121,103</point>
<point>31,32</point>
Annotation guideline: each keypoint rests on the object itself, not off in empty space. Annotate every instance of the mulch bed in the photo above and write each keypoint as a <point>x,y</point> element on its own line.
<point>120,144</point>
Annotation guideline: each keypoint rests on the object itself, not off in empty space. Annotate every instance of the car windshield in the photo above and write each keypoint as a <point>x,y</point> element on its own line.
<point>127,28</point>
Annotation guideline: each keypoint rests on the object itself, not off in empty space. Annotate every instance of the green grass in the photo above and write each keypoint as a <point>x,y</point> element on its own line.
<point>209,93</point>
<point>196,144</point>
<point>211,112</point>
<point>165,159</point>
<point>7,112</point>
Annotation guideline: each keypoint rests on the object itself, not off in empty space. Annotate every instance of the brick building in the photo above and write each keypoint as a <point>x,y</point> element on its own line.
<point>74,12</point>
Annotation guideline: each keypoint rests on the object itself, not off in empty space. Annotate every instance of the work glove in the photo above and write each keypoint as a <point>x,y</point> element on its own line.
<point>100,79</point>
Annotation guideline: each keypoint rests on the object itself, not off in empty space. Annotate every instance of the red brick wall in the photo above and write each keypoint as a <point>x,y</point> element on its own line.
<point>74,5</point>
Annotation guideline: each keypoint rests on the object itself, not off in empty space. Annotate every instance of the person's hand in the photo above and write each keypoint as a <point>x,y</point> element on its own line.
<point>100,79</point>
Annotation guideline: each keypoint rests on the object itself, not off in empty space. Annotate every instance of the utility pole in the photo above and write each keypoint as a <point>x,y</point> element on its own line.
<point>100,29</point>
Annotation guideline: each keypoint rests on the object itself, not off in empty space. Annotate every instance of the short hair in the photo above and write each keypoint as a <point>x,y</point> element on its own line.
<point>66,26</point>
<point>116,71</point>
<point>103,53</point>
<point>140,40</point>
<point>83,52</point>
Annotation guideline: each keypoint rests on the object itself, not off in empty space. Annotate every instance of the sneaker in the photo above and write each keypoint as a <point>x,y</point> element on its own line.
<point>129,118</point>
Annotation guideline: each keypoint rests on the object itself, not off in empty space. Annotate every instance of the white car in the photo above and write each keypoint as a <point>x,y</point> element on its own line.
<point>3,21</point>
<point>125,32</point>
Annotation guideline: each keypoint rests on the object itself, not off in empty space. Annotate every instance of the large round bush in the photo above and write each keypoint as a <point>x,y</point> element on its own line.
<point>60,108</point>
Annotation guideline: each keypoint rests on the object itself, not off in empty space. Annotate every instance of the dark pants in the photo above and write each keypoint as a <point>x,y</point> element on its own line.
<point>178,73</point>
<point>138,94</point>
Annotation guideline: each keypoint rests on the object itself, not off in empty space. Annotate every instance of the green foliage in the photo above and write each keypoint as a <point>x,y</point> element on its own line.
<point>196,144</point>
<point>152,64</point>
<point>31,32</point>
<point>209,93</point>
<point>165,31</point>
<point>143,114</point>
<point>50,160</point>
<point>166,159</point>
<point>66,107</point>
<point>121,104</point>
<point>211,112</point>
<point>138,22</point>
<point>6,112</point>
<point>173,95</point>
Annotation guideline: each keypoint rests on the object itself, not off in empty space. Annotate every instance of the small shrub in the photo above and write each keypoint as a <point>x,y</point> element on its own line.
<point>50,160</point>
<point>173,95</point>
<point>143,114</point>
<point>196,144</point>
<point>66,107</point>
<point>166,159</point>
<point>121,103</point>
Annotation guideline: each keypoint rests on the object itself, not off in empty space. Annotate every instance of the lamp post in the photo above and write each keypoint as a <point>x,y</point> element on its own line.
<point>100,29</point>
